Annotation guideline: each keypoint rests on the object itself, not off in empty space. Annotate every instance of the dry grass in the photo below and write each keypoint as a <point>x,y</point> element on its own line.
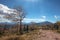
<point>27,36</point>
<point>34,35</point>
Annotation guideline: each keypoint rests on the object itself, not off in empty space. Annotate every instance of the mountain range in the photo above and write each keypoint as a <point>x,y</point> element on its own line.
<point>40,23</point>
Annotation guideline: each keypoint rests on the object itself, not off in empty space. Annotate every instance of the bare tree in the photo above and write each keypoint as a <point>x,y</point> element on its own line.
<point>17,16</point>
<point>21,15</point>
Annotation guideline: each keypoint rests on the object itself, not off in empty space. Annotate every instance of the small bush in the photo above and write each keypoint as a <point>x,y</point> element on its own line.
<point>16,38</point>
<point>1,33</point>
<point>58,31</point>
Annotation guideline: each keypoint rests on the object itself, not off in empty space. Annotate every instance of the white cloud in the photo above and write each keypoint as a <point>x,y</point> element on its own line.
<point>41,19</point>
<point>33,20</point>
<point>4,20</point>
<point>55,17</point>
<point>9,14</point>
<point>1,16</point>
<point>44,17</point>
<point>6,11</point>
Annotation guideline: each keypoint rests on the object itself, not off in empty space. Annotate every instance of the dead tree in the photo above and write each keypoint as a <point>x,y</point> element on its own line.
<point>21,14</point>
<point>17,15</point>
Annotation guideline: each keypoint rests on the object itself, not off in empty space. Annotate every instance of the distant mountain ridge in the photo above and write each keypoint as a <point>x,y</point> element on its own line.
<point>45,23</point>
<point>39,24</point>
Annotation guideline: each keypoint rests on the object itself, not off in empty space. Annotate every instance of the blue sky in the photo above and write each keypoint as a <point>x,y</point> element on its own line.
<point>37,10</point>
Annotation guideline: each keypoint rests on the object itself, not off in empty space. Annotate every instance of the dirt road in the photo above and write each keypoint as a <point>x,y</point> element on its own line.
<point>48,35</point>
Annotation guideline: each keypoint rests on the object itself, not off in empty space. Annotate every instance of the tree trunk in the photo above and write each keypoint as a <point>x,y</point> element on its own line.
<point>20,30</point>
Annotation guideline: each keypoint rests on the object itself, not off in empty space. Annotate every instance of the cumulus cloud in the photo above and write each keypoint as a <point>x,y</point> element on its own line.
<point>7,13</point>
<point>5,9</point>
<point>43,17</point>
<point>4,20</point>
<point>12,15</point>
<point>55,16</point>
<point>33,20</point>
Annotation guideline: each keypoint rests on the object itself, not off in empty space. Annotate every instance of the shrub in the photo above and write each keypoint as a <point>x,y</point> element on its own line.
<point>58,31</point>
<point>12,38</point>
